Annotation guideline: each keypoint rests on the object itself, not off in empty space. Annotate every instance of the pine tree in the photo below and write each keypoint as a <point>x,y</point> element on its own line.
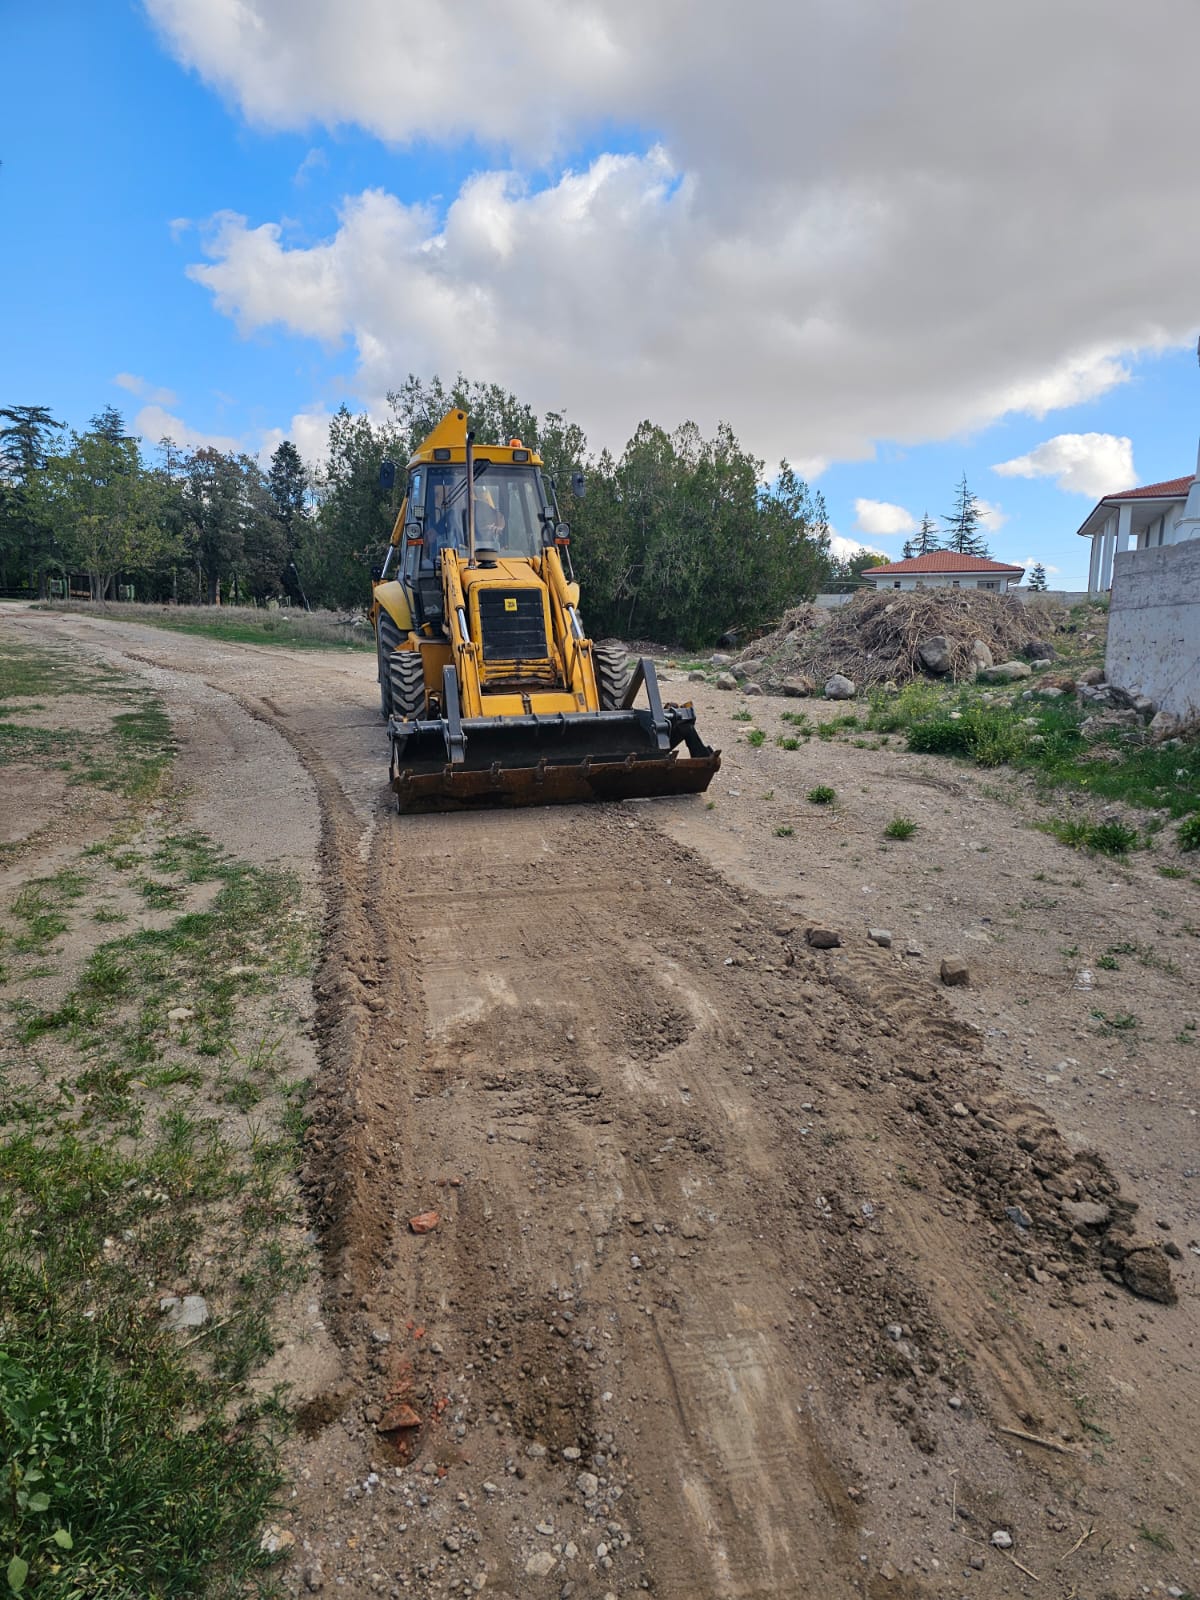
<point>910,549</point>
<point>964,523</point>
<point>109,424</point>
<point>1037,578</point>
<point>926,539</point>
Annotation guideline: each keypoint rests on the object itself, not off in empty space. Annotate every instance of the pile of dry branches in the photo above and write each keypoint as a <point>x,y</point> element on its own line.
<point>876,637</point>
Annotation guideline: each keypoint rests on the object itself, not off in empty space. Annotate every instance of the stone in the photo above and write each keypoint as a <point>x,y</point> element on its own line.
<point>541,1565</point>
<point>798,688</point>
<point>1006,672</point>
<point>697,677</point>
<point>535,1451</point>
<point>894,1332</point>
<point>934,654</point>
<point>397,1417</point>
<point>978,1563</point>
<point>959,1110</point>
<point>275,1539</point>
<point>981,655</point>
<point>1002,1539</point>
<point>955,972</point>
<point>1053,693</point>
<point>726,680</point>
<point>1092,676</point>
<point>752,688</point>
<point>1148,1274</point>
<point>190,1312</point>
<point>180,1014</point>
<point>424,1222</point>
<point>822,938</point>
<point>1085,1213</point>
<point>839,687</point>
<point>1018,1216</point>
<point>880,936</point>
<point>739,672</point>
<point>1041,664</point>
<point>451,1543</point>
<point>1039,650</point>
<point>720,660</point>
<point>314,1578</point>
<point>1164,724</point>
<point>588,1485</point>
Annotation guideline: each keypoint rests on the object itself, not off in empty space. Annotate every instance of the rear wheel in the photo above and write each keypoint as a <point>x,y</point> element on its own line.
<point>388,637</point>
<point>406,676</point>
<point>614,671</point>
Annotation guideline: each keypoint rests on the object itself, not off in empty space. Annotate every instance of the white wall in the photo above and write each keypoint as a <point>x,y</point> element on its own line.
<point>937,581</point>
<point>1154,625</point>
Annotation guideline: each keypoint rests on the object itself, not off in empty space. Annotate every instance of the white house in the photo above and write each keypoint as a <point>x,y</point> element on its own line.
<point>944,569</point>
<point>1149,516</point>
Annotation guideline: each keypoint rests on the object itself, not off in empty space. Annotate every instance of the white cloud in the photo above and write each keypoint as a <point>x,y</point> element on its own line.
<point>842,549</point>
<point>309,432</point>
<point>992,517</point>
<point>144,390</point>
<point>1091,464</point>
<point>314,161</point>
<point>785,258</point>
<point>880,517</point>
<point>153,423</point>
<point>1031,561</point>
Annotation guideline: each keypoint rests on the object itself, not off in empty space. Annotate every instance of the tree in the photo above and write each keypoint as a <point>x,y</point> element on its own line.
<point>105,507</point>
<point>1037,578</point>
<point>26,541</point>
<point>287,480</point>
<point>230,531</point>
<point>926,539</point>
<point>846,576</point>
<point>109,424</point>
<point>964,524</point>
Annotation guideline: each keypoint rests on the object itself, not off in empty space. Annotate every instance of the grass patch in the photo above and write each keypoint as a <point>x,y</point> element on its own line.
<point>786,742</point>
<point>742,716</point>
<point>756,737</point>
<point>784,831</point>
<point>900,828</point>
<point>1103,838</point>
<point>822,795</point>
<point>1189,832</point>
<point>296,630</point>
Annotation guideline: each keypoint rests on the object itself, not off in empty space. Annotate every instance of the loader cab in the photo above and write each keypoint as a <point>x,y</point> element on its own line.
<point>512,515</point>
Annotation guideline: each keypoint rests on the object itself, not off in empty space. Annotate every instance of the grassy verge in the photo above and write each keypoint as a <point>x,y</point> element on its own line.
<point>150,1121</point>
<point>1045,738</point>
<point>297,630</point>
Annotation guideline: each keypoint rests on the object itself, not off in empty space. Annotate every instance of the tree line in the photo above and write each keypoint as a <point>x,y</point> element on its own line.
<point>678,538</point>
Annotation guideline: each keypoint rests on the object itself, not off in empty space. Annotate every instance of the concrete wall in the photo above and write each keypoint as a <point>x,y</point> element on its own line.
<point>1154,625</point>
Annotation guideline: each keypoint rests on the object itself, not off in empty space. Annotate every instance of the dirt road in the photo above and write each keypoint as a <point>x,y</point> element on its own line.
<point>748,1252</point>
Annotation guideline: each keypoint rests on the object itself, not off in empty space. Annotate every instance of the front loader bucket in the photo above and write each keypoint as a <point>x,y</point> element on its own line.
<point>451,764</point>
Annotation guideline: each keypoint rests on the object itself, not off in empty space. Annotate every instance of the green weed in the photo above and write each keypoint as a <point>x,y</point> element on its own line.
<point>822,795</point>
<point>756,737</point>
<point>900,828</point>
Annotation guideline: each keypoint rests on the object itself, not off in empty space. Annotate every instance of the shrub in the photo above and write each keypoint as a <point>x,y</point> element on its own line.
<point>822,795</point>
<point>756,737</point>
<point>900,828</point>
<point>1189,832</point>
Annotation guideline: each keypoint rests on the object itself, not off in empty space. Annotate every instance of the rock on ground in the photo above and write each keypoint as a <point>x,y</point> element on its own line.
<point>934,654</point>
<point>839,687</point>
<point>1006,672</point>
<point>955,972</point>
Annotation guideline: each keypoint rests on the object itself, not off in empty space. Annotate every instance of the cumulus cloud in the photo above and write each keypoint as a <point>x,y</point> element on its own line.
<point>1031,561</point>
<point>153,422</point>
<point>992,517</point>
<point>787,256</point>
<point>843,549</point>
<point>1091,464</point>
<point>143,390</point>
<point>880,517</point>
<point>309,432</point>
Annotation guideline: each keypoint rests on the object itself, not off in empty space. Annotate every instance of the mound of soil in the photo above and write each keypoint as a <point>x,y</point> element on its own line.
<point>876,638</point>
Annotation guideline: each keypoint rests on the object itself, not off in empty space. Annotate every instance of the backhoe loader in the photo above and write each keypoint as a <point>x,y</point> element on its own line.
<point>492,690</point>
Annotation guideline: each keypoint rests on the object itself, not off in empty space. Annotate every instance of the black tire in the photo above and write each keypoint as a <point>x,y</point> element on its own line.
<point>614,671</point>
<point>407,683</point>
<point>387,638</point>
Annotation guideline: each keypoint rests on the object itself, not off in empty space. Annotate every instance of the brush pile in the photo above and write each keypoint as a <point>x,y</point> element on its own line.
<point>877,637</point>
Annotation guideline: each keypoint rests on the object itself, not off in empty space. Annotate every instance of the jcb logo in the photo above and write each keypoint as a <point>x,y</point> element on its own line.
<point>510,603</point>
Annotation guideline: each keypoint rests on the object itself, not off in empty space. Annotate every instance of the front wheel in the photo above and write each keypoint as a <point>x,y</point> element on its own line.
<point>614,673</point>
<point>388,638</point>
<point>406,676</point>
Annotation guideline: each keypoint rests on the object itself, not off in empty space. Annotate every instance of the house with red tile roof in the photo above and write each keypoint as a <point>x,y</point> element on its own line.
<point>944,569</point>
<point>1137,519</point>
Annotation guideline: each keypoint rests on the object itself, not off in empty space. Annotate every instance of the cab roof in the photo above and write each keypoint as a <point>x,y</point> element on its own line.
<point>451,434</point>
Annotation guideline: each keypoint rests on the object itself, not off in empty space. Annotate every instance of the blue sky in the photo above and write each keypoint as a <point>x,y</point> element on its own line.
<point>656,228</point>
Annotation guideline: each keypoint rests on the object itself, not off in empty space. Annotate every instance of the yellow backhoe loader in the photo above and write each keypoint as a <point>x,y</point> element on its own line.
<point>493,693</point>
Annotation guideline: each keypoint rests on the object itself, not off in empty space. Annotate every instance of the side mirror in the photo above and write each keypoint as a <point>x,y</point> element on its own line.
<point>387,476</point>
<point>578,485</point>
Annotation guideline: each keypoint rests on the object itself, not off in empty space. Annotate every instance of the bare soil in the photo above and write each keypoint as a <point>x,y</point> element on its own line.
<point>747,1254</point>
